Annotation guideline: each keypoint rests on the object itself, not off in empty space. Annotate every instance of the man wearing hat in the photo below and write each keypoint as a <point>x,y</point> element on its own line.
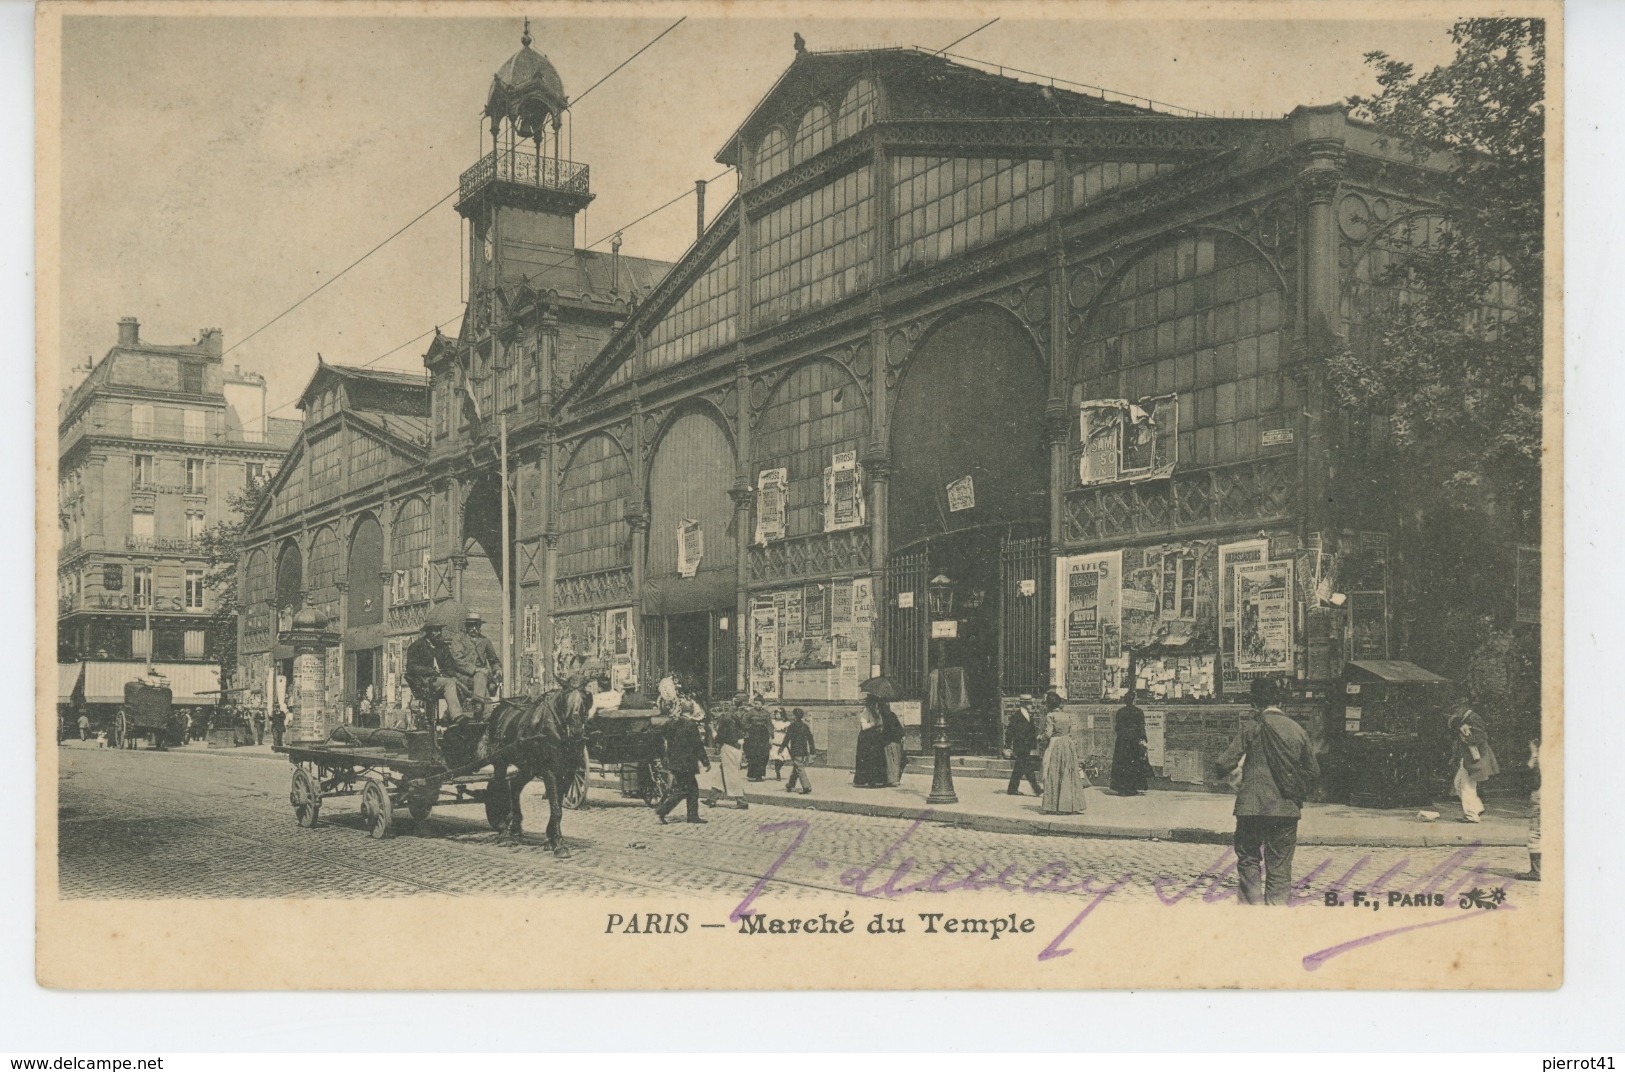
<point>431,671</point>
<point>685,755</point>
<point>486,672</point>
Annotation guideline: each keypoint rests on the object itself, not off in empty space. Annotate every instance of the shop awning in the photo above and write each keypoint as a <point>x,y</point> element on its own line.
<point>67,676</point>
<point>191,683</point>
<point>1395,670</point>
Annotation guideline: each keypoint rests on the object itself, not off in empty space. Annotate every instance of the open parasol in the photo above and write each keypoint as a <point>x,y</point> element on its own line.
<point>881,688</point>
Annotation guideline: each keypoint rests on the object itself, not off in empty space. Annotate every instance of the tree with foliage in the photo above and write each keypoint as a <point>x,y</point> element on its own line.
<point>1452,353</point>
<point>1458,364</point>
<point>222,545</point>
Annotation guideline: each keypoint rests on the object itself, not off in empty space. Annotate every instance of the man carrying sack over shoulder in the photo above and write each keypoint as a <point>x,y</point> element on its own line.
<point>1278,772</point>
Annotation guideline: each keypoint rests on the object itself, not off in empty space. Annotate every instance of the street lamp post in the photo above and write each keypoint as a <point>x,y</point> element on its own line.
<point>941,604</point>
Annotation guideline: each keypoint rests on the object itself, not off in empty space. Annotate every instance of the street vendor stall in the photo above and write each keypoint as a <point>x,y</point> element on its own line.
<point>1386,753</point>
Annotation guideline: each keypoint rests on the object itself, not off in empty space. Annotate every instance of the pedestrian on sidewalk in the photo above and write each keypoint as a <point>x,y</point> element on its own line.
<point>891,731</point>
<point>1063,782</point>
<point>1131,766</point>
<point>1278,771</point>
<point>279,723</point>
<point>1533,874</point>
<point>798,742</point>
<point>869,761</point>
<point>730,731</point>
<point>1022,735</point>
<point>259,727</point>
<point>685,756</point>
<point>758,739</point>
<point>779,757</point>
<point>1475,760</point>
<point>84,727</point>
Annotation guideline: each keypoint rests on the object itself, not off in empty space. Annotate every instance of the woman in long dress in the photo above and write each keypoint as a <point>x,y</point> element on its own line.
<point>869,772</point>
<point>892,734</point>
<point>758,741</point>
<point>1063,782</point>
<point>1131,769</point>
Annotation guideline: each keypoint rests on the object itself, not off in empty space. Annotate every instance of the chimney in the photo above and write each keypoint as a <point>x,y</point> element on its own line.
<point>129,331</point>
<point>699,209</point>
<point>209,340</point>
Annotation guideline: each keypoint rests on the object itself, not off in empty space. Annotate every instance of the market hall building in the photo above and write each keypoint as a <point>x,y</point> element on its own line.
<point>974,372</point>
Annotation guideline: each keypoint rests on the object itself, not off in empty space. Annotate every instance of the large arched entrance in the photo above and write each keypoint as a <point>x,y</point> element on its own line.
<point>364,616</point>
<point>969,502</point>
<point>482,588</point>
<point>689,601</point>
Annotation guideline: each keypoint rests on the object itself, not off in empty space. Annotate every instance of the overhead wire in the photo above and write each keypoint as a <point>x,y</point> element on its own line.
<point>967,37</point>
<point>335,278</point>
<point>545,269</point>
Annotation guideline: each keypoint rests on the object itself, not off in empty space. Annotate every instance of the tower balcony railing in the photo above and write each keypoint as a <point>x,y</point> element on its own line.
<point>525,169</point>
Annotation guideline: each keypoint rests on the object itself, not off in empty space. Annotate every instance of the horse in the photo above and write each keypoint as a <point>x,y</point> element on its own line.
<point>542,737</point>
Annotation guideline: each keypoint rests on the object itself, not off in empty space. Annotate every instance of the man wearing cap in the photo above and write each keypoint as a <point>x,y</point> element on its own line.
<point>486,674</point>
<point>431,671</point>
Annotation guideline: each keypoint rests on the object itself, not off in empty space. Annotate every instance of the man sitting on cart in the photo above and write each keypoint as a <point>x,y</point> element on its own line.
<point>431,672</point>
<point>475,652</point>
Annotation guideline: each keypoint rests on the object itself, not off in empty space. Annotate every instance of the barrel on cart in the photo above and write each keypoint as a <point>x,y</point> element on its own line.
<point>149,712</point>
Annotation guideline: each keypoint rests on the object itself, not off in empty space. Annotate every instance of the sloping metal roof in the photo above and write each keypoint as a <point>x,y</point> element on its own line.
<point>191,683</point>
<point>1398,671</point>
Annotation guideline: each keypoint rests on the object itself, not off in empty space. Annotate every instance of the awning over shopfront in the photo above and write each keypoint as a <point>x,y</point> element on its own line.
<point>67,676</point>
<point>1394,670</point>
<point>191,683</point>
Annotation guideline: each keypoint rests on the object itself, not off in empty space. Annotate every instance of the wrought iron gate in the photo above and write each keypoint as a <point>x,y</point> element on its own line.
<point>1025,584</point>
<point>905,636</point>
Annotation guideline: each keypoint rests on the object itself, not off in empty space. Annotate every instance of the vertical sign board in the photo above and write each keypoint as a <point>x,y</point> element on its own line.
<point>1088,608</point>
<point>1264,618</point>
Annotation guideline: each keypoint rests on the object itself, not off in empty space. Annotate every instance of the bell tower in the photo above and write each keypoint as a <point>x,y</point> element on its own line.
<point>521,198</point>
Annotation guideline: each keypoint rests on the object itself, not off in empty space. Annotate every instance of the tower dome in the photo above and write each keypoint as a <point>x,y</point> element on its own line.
<point>527,91</point>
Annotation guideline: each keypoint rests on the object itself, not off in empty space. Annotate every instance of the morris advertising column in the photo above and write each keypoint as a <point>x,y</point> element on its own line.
<point>313,712</point>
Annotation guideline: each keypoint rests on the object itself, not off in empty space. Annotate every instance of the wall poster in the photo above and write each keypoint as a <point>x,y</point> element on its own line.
<point>771,487</point>
<point>1264,618</point>
<point>764,648</point>
<point>863,599</point>
<point>1088,620</point>
<point>962,495</point>
<point>690,547</point>
<point>1232,555</point>
<point>843,493</point>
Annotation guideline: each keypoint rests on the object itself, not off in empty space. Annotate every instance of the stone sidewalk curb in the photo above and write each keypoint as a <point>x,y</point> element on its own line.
<point>995,824</point>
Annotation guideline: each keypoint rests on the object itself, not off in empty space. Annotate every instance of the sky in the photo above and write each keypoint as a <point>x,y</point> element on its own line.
<point>217,169</point>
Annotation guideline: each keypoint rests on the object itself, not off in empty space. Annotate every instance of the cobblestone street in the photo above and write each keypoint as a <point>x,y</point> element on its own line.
<point>198,825</point>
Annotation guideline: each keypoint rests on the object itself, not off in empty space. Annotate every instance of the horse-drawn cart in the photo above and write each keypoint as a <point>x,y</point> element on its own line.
<point>395,769</point>
<point>149,711</point>
<point>630,743</point>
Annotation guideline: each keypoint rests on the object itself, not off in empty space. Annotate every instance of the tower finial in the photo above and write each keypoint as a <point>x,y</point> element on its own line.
<point>525,38</point>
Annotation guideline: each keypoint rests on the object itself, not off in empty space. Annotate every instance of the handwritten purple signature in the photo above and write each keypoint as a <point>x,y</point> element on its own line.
<point>892,875</point>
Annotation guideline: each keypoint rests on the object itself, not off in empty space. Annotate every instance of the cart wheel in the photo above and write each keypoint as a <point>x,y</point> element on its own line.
<point>656,783</point>
<point>575,794</point>
<point>420,800</point>
<point>496,809</point>
<point>306,797</point>
<point>121,730</point>
<point>376,808</point>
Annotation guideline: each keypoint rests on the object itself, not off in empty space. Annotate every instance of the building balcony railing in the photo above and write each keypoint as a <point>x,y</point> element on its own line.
<point>525,169</point>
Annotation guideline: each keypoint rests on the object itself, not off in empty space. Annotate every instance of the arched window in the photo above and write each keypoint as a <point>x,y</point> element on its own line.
<point>592,508</point>
<point>1202,317</point>
<point>857,109</point>
<point>813,135</point>
<point>773,155</point>
<point>689,479</point>
<point>409,552</point>
<point>365,561</point>
<point>816,411</point>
